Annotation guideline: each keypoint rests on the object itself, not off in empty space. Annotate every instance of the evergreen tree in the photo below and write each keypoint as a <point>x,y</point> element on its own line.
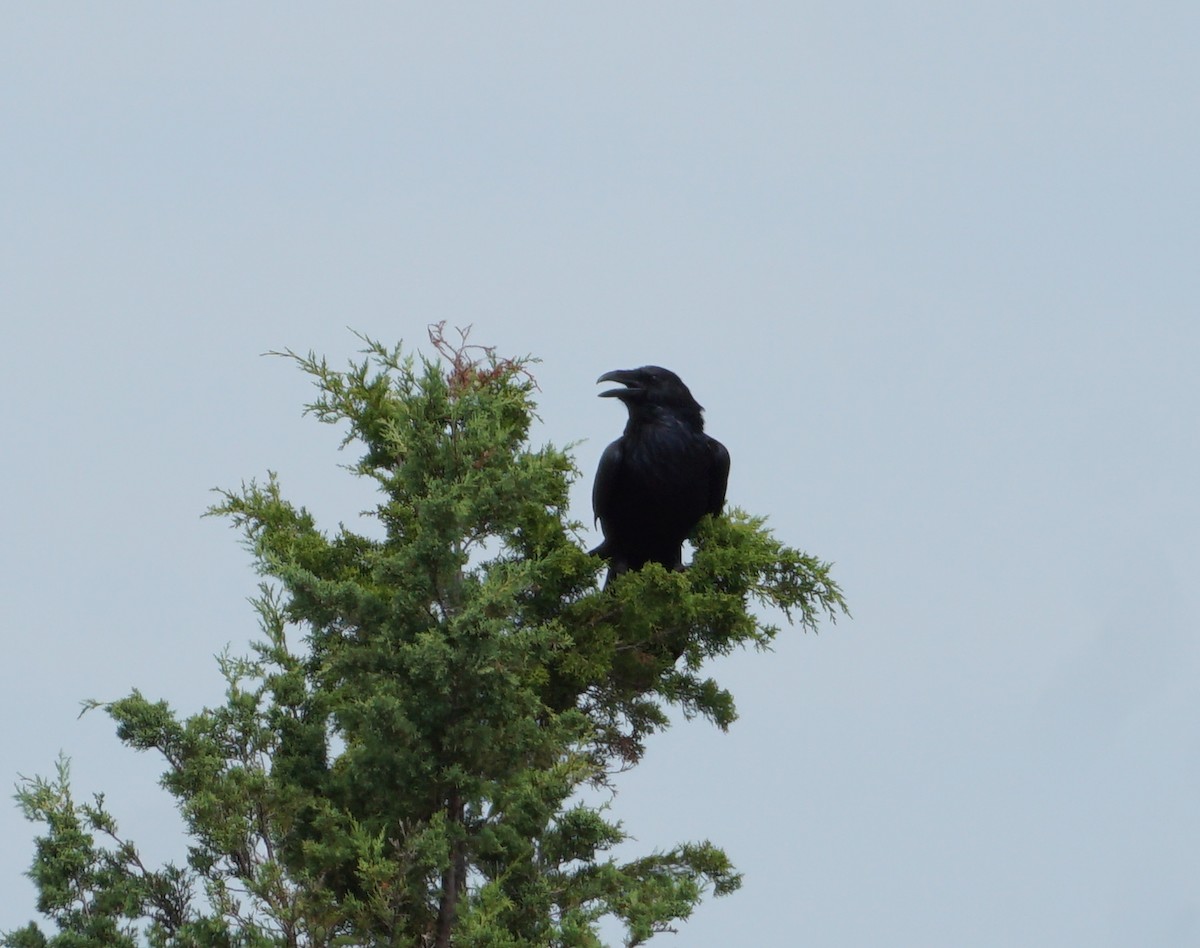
<point>399,762</point>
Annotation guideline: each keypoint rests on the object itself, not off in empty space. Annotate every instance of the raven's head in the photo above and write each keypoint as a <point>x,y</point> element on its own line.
<point>651,389</point>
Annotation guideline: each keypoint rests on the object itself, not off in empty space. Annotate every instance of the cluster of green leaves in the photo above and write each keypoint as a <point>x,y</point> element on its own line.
<point>408,772</point>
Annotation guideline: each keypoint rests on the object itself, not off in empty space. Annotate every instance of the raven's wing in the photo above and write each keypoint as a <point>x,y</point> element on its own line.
<point>604,488</point>
<point>718,478</point>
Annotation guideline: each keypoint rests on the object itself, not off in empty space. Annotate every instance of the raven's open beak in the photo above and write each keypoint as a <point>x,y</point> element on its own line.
<point>627,377</point>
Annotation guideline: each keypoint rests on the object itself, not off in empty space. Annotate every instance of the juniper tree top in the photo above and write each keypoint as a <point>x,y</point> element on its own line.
<point>397,764</point>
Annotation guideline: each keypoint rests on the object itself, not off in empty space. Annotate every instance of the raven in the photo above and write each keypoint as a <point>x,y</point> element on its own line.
<point>660,477</point>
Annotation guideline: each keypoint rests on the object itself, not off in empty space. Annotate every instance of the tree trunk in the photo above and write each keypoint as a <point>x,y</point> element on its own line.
<point>454,878</point>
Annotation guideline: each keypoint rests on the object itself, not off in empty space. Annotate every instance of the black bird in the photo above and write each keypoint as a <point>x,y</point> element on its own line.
<point>660,477</point>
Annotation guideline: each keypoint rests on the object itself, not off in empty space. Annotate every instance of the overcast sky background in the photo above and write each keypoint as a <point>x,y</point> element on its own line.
<point>932,269</point>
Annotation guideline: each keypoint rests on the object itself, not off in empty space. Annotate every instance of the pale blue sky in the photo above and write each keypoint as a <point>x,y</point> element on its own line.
<point>931,268</point>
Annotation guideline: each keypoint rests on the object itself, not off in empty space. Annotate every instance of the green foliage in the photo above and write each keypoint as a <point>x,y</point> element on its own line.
<point>408,773</point>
